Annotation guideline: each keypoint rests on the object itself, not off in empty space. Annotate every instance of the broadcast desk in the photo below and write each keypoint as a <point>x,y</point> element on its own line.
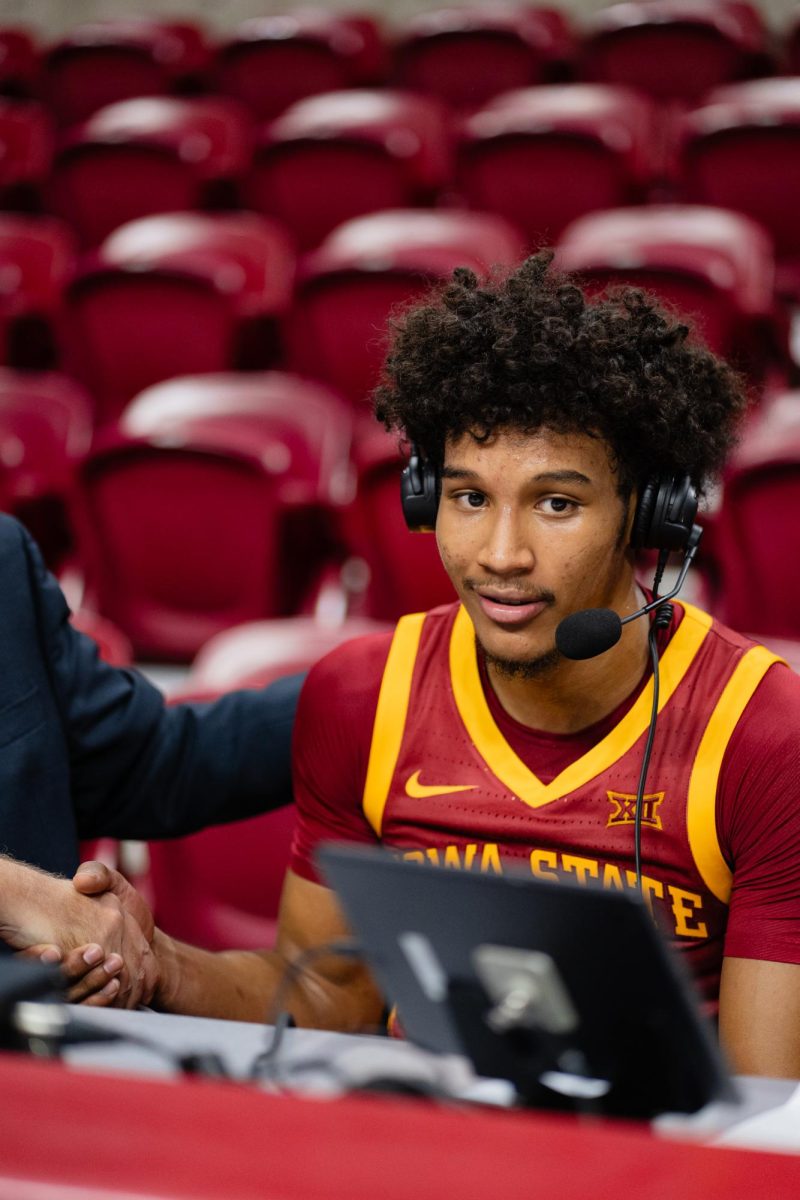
<point>115,1121</point>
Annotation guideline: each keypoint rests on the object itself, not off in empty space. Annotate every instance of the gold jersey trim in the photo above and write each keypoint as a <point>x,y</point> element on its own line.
<point>390,716</point>
<point>498,754</point>
<point>701,815</point>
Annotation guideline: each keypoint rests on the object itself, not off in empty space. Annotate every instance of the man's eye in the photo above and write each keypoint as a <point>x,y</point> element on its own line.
<point>559,504</point>
<point>470,499</point>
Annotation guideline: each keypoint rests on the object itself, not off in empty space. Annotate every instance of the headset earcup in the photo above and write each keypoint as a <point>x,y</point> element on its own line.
<point>644,513</point>
<point>665,513</point>
<point>419,494</point>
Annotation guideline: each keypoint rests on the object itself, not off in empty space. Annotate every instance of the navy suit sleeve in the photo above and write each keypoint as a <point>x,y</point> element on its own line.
<point>140,769</point>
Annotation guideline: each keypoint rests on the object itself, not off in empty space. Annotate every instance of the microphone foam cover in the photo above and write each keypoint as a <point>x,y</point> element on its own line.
<point>588,633</point>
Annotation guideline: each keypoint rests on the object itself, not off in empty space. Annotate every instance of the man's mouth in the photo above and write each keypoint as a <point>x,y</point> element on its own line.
<point>509,607</point>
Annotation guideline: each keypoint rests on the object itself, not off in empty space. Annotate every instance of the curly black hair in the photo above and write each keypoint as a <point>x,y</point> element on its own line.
<point>529,350</point>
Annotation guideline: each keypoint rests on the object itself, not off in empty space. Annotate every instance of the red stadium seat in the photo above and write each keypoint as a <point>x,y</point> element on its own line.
<point>342,154</point>
<point>221,888</point>
<point>45,428</point>
<point>19,62</point>
<point>790,58</point>
<point>675,50</point>
<point>543,156</point>
<point>752,541</point>
<point>711,265</point>
<point>404,571</point>
<point>211,504</point>
<point>741,150</point>
<point>26,151</point>
<point>273,61</point>
<point>258,652</point>
<point>155,154</point>
<point>101,62</point>
<point>369,266</point>
<point>112,646</point>
<point>464,55</point>
<point>177,294</point>
<point>37,258</point>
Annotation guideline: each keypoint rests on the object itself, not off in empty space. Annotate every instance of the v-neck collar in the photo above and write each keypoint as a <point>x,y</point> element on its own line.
<point>483,731</point>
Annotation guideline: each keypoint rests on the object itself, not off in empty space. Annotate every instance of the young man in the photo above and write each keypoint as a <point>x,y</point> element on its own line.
<point>468,739</point>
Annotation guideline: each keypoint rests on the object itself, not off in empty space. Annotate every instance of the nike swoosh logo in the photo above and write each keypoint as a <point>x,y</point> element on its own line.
<point>420,790</point>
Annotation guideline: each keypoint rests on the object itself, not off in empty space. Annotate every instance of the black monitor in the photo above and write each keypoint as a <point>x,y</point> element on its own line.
<point>569,991</point>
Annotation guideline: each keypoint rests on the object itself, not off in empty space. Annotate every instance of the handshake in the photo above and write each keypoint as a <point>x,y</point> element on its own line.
<point>97,926</point>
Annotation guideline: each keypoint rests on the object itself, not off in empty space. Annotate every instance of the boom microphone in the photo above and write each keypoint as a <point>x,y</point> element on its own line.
<point>589,632</point>
<point>592,631</point>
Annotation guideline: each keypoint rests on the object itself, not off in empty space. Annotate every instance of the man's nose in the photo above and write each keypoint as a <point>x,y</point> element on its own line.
<point>507,547</point>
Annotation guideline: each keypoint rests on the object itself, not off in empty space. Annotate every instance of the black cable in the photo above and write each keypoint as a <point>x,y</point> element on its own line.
<point>663,619</point>
<point>264,1066</point>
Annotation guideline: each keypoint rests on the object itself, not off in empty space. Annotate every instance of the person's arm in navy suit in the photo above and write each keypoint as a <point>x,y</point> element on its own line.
<point>140,769</point>
<point>93,750</point>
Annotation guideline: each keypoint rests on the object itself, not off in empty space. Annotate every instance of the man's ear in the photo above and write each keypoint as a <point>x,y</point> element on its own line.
<point>626,525</point>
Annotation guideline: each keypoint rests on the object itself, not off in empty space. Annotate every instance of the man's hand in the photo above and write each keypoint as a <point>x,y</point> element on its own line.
<point>38,909</point>
<point>95,879</point>
<point>91,975</point>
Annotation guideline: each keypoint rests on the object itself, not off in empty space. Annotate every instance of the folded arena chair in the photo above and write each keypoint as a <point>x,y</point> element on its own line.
<point>155,154</point>
<point>176,294</point>
<point>714,266</point>
<point>674,50</point>
<point>211,504</point>
<point>741,150</point>
<point>332,157</point>
<point>221,888</point>
<point>37,260</point>
<point>347,288</point>
<point>45,429</point>
<point>789,59</point>
<point>466,54</point>
<point>100,62</point>
<point>19,62</point>
<point>400,571</point>
<point>752,543</point>
<point>273,61</point>
<point>26,151</point>
<point>543,156</point>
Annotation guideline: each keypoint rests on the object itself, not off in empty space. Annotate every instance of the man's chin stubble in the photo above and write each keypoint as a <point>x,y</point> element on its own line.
<point>526,668</point>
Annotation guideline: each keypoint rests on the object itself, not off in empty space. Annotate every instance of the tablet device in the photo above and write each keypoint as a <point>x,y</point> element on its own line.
<point>597,994</point>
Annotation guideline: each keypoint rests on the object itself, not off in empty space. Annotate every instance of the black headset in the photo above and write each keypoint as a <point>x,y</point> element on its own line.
<point>665,511</point>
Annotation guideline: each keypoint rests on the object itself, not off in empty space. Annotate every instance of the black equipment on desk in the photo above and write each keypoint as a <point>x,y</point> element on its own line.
<point>23,979</point>
<point>568,991</point>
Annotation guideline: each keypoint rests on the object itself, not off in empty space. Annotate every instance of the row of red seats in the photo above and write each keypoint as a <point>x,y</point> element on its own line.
<point>185,293</point>
<point>539,156</point>
<point>216,499</point>
<point>463,54</point>
<point>221,499</point>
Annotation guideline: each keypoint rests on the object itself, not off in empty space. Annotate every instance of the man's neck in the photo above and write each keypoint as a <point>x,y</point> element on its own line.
<point>573,695</point>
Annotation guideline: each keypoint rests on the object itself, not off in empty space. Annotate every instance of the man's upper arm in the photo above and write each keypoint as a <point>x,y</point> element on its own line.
<point>141,769</point>
<point>330,751</point>
<point>759,828</point>
<point>758,820</point>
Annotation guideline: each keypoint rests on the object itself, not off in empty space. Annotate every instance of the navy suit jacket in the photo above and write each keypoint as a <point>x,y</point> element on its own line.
<point>88,750</point>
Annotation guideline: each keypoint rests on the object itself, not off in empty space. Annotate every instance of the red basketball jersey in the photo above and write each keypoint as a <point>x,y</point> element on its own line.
<point>444,785</point>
